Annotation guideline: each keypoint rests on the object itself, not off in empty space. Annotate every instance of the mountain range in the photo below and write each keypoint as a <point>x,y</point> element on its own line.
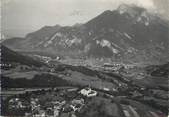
<point>129,32</point>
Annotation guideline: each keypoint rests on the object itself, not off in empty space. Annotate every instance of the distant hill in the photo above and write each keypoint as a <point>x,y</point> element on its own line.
<point>127,33</point>
<point>9,56</point>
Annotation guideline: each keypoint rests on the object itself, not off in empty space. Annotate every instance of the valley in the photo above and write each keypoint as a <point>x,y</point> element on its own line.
<point>131,89</point>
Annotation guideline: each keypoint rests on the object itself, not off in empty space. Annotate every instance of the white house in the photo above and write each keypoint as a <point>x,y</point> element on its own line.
<point>88,92</point>
<point>106,89</point>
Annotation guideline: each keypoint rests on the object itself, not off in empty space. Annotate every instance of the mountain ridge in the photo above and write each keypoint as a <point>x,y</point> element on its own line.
<point>126,31</point>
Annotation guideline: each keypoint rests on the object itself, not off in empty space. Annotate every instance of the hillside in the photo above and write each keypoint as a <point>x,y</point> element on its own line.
<point>9,56</point>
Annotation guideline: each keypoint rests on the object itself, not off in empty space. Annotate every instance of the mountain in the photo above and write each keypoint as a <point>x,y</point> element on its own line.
<point>8,56</point>
<point>129,32</point>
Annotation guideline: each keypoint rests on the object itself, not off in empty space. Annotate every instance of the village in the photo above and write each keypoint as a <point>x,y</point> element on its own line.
<point>50,103</point>
<point>67,102</point>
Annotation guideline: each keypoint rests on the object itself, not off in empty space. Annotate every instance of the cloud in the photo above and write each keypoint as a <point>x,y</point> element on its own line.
<point>162,7</point>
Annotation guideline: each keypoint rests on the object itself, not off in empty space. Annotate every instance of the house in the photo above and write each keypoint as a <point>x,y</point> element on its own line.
<point>17,103</point>
<point>88,92</point>
<point>77,104</point>
<point>41,113</point>
<point>78,101</point>
<point>5,65</point>
<point>85,91</point>
<point>56,111</point>
<point>28,114</point>
<point>59,104</point>
<point>76,107</point>
<point>106,89</point>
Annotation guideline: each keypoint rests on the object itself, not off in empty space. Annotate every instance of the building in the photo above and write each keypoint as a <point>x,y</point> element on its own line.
<point>88,92</point>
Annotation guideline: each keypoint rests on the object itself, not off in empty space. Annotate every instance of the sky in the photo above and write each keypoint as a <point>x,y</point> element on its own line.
<point>19,17</point>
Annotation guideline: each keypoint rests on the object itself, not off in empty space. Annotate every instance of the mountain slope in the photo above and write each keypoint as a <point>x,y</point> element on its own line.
<point>9,56</point>
<point>129,32</point>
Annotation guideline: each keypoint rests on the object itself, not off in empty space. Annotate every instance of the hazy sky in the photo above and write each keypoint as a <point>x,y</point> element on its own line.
<point>20,17</point>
